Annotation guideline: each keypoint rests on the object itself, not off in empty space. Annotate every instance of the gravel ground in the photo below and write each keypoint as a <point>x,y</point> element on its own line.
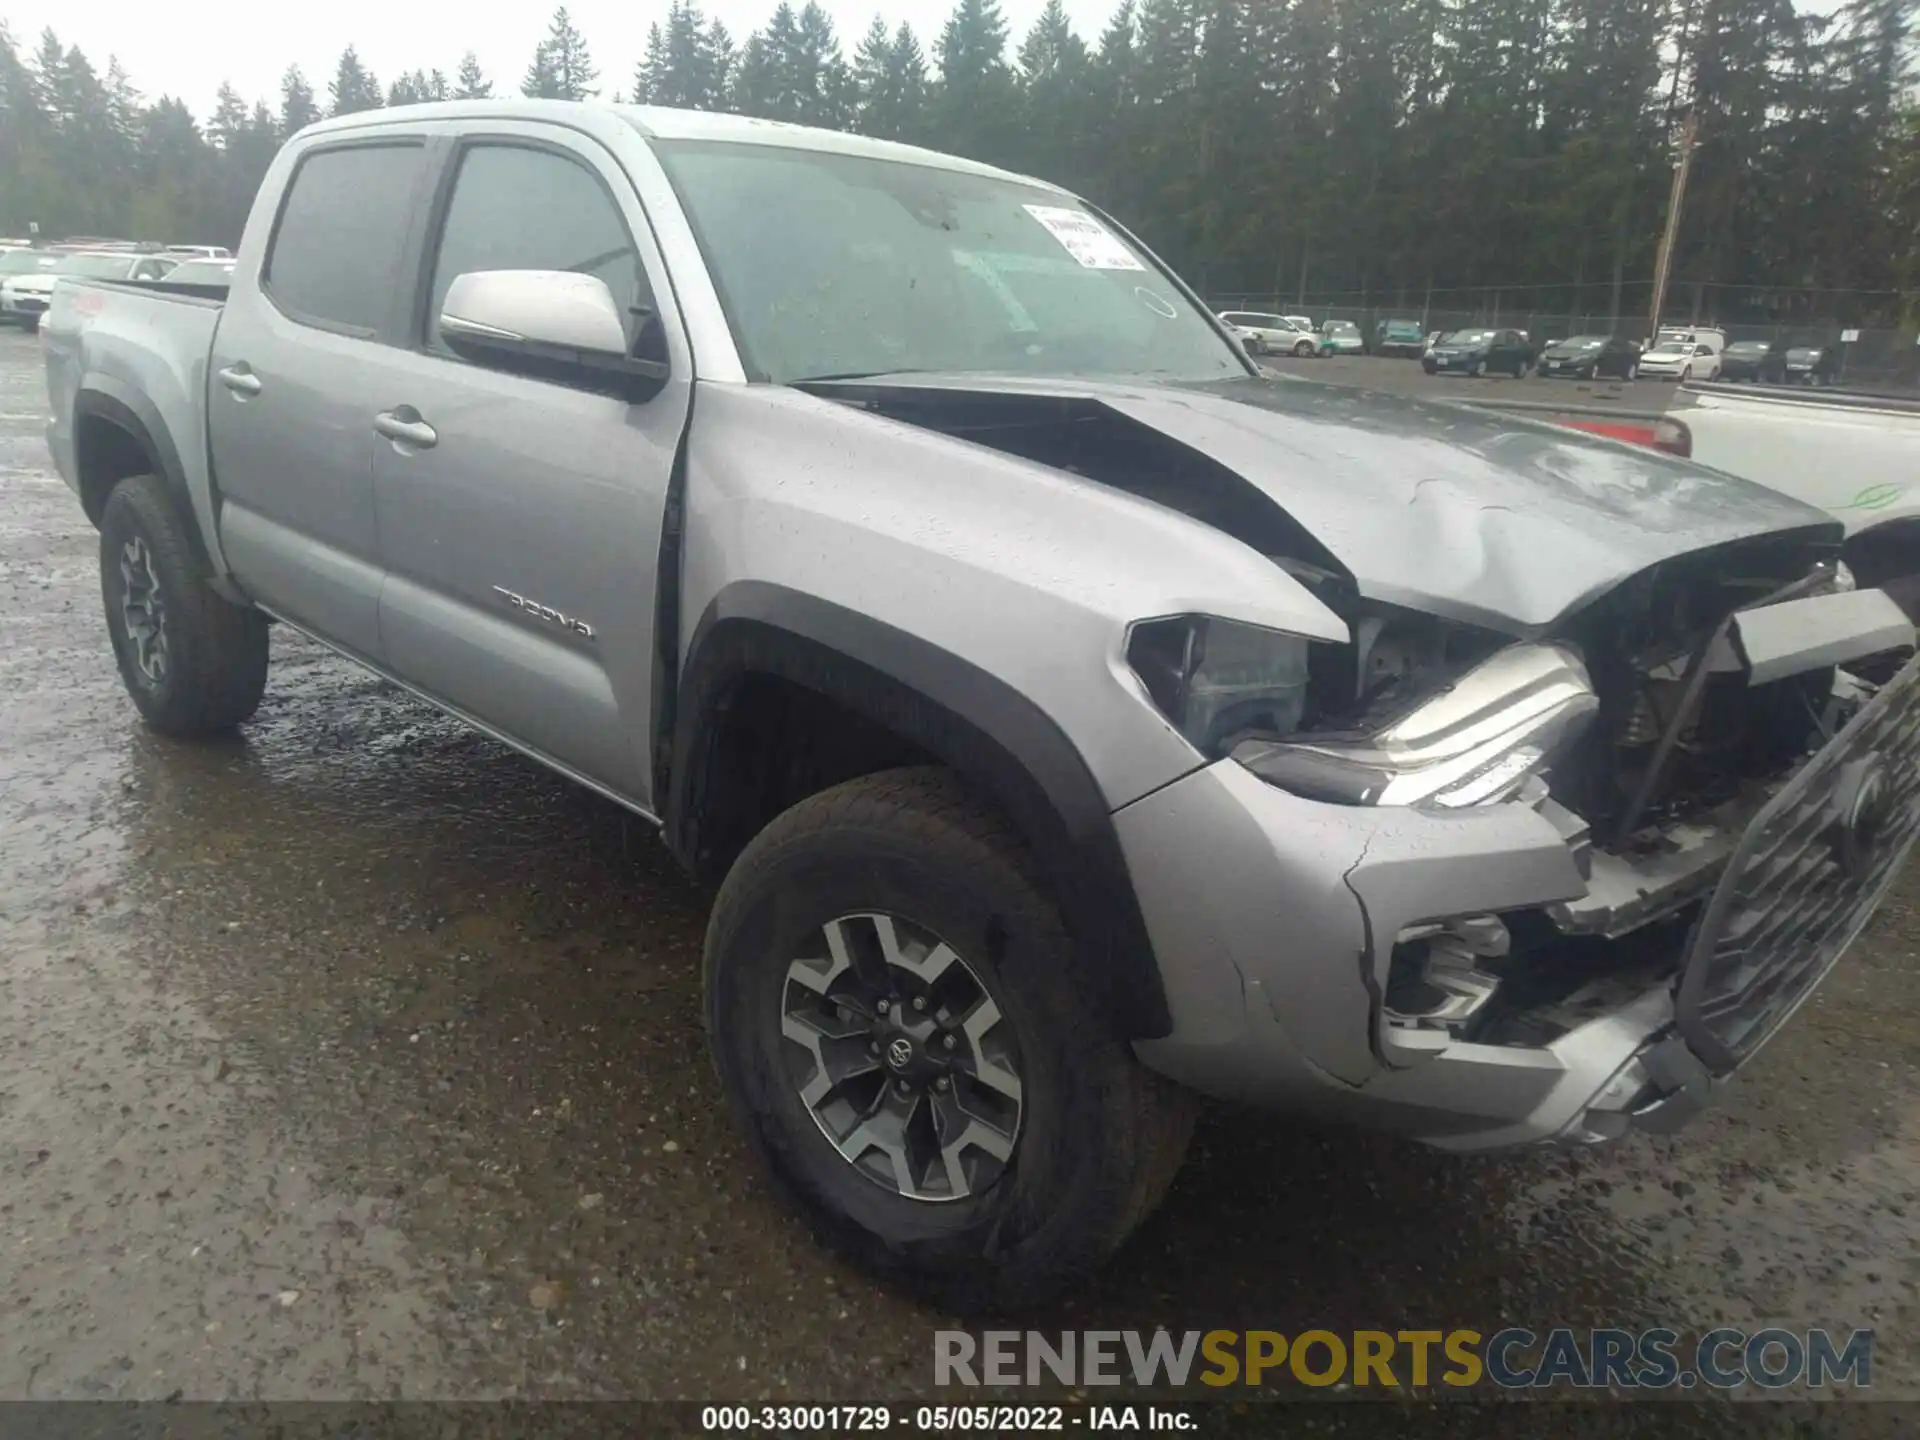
<point>360,1058</point>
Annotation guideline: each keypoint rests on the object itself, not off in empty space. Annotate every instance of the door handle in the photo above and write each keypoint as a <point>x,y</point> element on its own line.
<point>405,428</point>
<point>241,380</point>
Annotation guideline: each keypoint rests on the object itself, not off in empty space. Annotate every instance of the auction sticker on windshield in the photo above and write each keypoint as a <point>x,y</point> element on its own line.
<point>1084,238</point>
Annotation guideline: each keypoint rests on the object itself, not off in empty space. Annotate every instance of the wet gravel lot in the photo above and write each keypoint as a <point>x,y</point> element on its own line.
<point>358,1057</point>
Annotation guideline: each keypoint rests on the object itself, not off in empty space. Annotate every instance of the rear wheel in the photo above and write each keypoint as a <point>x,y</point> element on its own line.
<point>194,663</point>
<point>910,1038</point>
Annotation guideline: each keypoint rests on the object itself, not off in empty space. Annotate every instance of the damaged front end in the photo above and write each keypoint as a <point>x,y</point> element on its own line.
<point>1726,751</point>
<point>1731,758</point>
<point>1612,766</point>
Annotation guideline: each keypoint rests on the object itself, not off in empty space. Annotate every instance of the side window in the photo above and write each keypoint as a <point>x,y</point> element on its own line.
<point>517,208</point>
<point>336,249</point>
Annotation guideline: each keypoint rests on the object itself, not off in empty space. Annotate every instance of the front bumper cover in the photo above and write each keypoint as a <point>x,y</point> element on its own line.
<point>1274,918</point>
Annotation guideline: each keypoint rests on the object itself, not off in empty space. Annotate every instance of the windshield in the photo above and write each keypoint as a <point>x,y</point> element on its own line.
<point>840,265</point>
<point>1342,327</point>
<point>1582,342</point>
<point>1469,337</point>
<point>1747,347</point>
<point>1804,352</point>
<point>1669,347</point>
<point>95,267</point>
<point>21,262</point>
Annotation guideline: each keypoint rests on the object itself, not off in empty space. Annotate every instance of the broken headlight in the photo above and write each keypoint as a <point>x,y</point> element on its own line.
<point>1219,681</point>
<point>1474,743</point>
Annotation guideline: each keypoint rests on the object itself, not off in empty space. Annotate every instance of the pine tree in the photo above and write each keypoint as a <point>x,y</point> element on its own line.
<point>972,108</point>
<point>889,78</point>
<point>297,110</point>
<point>354,87</point>
<point>1053,75</point>
<point>469,82</point>
<point>561,68</point>
<point>229,117</point>
<point>684,65</point>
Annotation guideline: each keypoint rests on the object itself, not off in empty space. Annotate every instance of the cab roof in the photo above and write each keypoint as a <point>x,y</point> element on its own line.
<point>662,123</point>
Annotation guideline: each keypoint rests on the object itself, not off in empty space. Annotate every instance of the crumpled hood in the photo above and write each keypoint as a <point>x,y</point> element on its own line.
<point>1448,509</point>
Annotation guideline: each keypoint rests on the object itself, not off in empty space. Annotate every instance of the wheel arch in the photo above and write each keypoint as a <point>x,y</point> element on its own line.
<point>938,707</point>
<point>118,434</point>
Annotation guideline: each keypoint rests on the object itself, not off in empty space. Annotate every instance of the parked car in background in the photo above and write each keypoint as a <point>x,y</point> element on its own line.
<point>1590,357</point>
<point>1399,337</point>
<point>26,297</point>
<point>210,252</point>
<point>205,271</point>
<point>1813,365</point>
<point>15,264</point>
<point>1754,360</point>
<point>1714,339</point>
<point>1301,322</point>
<point>1475,352</point>
<point>1268,334</point>
<point>1340,337</point>
<point>1681,360</point>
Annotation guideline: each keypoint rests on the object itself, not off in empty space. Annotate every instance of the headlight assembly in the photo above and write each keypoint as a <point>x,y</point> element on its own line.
<point>1472,744</point>
<point>1219,681</point>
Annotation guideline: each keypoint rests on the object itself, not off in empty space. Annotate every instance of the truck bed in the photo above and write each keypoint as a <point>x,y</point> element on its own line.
<point>145,347</point>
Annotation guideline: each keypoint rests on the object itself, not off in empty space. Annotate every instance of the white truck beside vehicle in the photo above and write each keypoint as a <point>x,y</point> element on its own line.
<point>1855,456</point>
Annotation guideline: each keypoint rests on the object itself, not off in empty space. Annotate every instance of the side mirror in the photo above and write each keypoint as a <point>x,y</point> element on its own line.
<point>550,324</point>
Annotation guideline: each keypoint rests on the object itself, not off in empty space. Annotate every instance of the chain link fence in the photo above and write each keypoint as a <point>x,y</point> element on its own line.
<point>1879,357</point>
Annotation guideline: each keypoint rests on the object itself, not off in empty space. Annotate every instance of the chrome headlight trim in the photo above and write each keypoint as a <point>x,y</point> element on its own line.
<point>1475,743</point>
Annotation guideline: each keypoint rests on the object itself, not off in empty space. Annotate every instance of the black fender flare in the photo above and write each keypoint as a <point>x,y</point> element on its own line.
<point>966,718</point>
<point>129,411</point>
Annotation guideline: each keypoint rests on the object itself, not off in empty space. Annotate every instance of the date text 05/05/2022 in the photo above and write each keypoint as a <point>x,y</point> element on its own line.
<point>943,1419</point>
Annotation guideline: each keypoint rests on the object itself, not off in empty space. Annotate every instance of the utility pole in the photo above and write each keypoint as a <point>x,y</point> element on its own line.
<point>1663,264</point>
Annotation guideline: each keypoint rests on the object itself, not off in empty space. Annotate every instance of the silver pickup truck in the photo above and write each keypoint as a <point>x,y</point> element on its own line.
<point>1073,720</point>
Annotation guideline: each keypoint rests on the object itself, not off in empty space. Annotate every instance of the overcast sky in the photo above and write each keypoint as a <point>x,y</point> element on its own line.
<point>187,50</point>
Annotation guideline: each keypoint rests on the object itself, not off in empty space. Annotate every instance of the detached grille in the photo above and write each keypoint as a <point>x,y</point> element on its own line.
<point>1805,879</point>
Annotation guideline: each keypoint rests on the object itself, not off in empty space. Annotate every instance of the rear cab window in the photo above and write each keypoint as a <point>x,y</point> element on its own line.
<point>336,251</point>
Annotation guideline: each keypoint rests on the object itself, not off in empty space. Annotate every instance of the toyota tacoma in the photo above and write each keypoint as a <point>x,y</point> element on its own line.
<point>1073,720</point>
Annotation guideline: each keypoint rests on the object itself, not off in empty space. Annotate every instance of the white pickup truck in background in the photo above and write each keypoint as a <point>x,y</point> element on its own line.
<point>1855,456</point>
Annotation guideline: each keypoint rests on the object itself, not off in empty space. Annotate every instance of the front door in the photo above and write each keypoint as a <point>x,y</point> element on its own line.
<point>520,518</point>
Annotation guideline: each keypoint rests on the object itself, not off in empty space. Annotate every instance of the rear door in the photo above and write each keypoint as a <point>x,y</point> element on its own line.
<point>288,396</point>
<point>521,540</point>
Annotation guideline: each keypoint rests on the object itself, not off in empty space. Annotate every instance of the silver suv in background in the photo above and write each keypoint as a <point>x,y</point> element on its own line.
<point>1268,334</point>
<point>1073,720</point>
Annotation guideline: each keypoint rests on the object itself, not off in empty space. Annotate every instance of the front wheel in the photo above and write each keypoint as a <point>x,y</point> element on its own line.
<point>1477,369</point>
<point>1303,351</point>
<point>913,1043</point>
<point>1631,373</point>
<point>194,662</point>
<point>1686,373</point>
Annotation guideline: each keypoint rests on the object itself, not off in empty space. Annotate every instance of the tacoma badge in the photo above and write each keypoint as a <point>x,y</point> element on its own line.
<point>544,612</point>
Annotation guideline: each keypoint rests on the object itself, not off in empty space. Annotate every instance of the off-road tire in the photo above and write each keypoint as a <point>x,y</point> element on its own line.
<point>1101,1136</point>
<point>216,651</point>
